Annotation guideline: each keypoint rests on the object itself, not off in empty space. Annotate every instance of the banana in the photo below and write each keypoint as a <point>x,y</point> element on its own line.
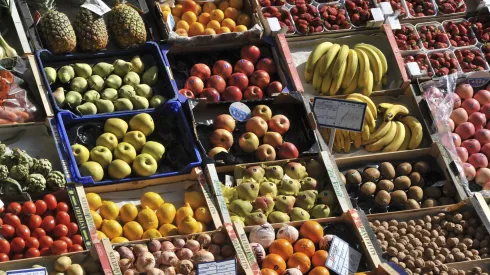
<point>367,100</point>
<point>395,110</point>
<point>337,80</point>
<point>368,87</point>
<point>382,142</point>
<point>398,140</point>
<point>377,86</point>
<point>328,58</point>
<point>347,143</point>
<point>369,118</point>
<point>351,68</point>
<point>357,140</point>
<point>384,80</point>
<point>380,132</point>
<point>415,129</point>
<point>353,84</point>
<point>382,107</point>
<point>337,145</point>
<point>308,76</point>
<point>317,79</point>
<point>345,133</point>
<point>352,135</point>
<point>374,62</point>
<point>340,61</point>
<point>406,140</point>
<point>365,132</point>
<point>317,53</point>
<point>326,83</point>
<point>381,56</point>
<point>364,67</point>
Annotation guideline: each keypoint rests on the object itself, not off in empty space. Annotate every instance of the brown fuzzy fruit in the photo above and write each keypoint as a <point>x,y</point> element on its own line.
<point>412,204</point>
<point>368,188</point>
<point>353,177</point>
<point>398,197</point>
<point>416,179</point>
<point>387,170</point>
<point>383,198</point>
<point>416,193</point>
<point>421,167</point>
<point>449,189</point>
<point>386,185</point>
<point>371,174</point>
<point>429,203</point>
<point>402,183</point>
<point>403,169</point>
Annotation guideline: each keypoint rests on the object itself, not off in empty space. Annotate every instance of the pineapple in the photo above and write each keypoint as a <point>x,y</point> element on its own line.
<point>126,25</point>
<point>55,29</point>
<point>91,31</point>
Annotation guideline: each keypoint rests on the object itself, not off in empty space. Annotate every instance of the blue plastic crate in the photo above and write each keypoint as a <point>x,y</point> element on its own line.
<point>150,51</point>
<point>169,116</point>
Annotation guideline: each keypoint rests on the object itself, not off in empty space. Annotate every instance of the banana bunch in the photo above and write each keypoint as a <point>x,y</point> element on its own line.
<point>331,67</point>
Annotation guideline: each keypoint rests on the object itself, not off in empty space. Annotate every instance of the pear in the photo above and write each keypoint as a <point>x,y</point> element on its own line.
<point>248,190</point>
<point>50,74</point>
<point>123,104</point>
<point>127,91</point>
<point>274,172</point>
<point>66,74</point>
<point>121,67</point>
<point>79,84</point>
<point>87,108</point>
<point>82,70</point>
<point>289,187</point>
<point>278,217</point>
<point>240,207</point>
<point>255,218</point>
<point>150,77</point>
<point>139,102</point>
<point>264,204</point>
<point>315,169</point>
<point>73,99</point>
<point>92,169</point>
<point>309,183</point>
<point>268,188</point>
<point>238,219</point>
<point>327,196</point>
<point>320,211</point>
<point>103,69</point>
<point>188,225</point>
<point>295,170</point>
<point>138,65</point>
<point>306,199</point>
<point>255,173</point>
<point>143,90</point>
<point>229,193</point>
<point>299,214</point>
<point>284,203</point>
<point>109,94</point>
<point>59,97</point>
<point>113,81</point>
<point>95,82</point>
<point>157,100</point>
<point>91,96</point>
<point>104,106</point>
<point>132,79</point>
<point>183,212</point>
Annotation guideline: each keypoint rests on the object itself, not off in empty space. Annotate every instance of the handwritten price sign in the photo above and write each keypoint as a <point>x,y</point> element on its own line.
<point>339,113</point>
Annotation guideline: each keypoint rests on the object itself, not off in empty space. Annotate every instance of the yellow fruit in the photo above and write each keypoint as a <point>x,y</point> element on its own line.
<point>223,30</point>
<point>204,18</point>
<point>94,201</point>
<point>244,19</point>
<point>148,219</point>
<point>181,32</point>
<point>203,227</point>
<point>209,31</point>
<point>231,13</point>
<point>112,229</point>
<point>101,235</point>
<point>166,213</point>
<point>151,234</point>
<point>189,17</point>
<point>109,210</point>
<point>177,10</point>
<point>213,24</point>
<point>240,28</point>
<point>195,199</point>
<point>217,15</point>
<point>168,230</point>
<point>182,25</point>
<point>237,4</point>
<point>177,19</point>
<point>133,231</point>
<point>97,219</point>
<point>165,15</point>
<point>196,29</point>
<point>208,7</point>
<point>128,212</point>
<point>202,214</point>
<point>183,212</point>
<point>119,240</point>
<point>164,7</point>
<point>229,23</point>
<point>189,225</point>
<point>199,9</point>
<point>151,200</point>
<point>223,5</point>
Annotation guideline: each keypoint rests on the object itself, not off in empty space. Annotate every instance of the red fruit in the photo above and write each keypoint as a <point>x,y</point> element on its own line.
<point>50,201</point>
<point>32,253</point>
<point>267,64</point>
<point>23,232</point>
<point>7,231</point>
<point>478,119</point>
<point>253,93</point>
<point>216,82</point>
<point>11,219</point>
<point>62,206</point>
<point>456,101</point>
<point>14,208</point>
<point>201,70</point>
<point>75,248</point>
<point>18,256</point>
<point>222,68</point>
<point>244,66</point>
<point>486,110</point>
<point>60,230</point>
<point>58,247</point>
<point>251,53</point>
<point>4,246</point>
<point>274,87</point>
<point>471,105</point>
<point>478,160</point>
<point>465,130</point>
<point>260,79</point>
<point>287,150</point>
<point>72,229</point>
<point>62,217</point>
<point>186,93</point>
<point>45,251</point>
<point>29,208</point>
<point>483,97</point>
<point>67,240</point>
<point>462,153</point>
<point>41,207</point>
<point>45,241</point>
<point>194,84</point>
<point>465,91</point>
<point>38,233</point>
<point>48,223</point>
<point>238,80</point>
<point>77,239</point>
<point>32,242</point>
<point>210,94</point>
<point>456,139</point>
<point>4,257</point>
<point>17,245</point>
<point>232,93</point>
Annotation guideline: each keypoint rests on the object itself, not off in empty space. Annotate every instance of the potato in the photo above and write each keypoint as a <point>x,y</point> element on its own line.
<point>75,269</point>
<point>62,264</point>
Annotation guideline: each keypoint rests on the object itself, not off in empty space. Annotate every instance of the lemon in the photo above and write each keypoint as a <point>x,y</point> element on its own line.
<point>148,219</point>
<point>151,234</point>
<point>109,210</point>
<point>133,231</point>
<point>97,219</point>
<point>112,229</point>
<point>128,212</point>
<point>182,212</point>
<point>101,235</point>
<point>119,240</point>
<point>203,215</point>
<point>168,230</point>
<point>94,201</point>
<point>194,198</point>
<point>151,200</point>
<point>166,213</point>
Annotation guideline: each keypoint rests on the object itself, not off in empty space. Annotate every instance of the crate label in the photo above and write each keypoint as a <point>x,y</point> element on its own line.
<point>386,8</point>
<point>332,174</point>
<point>377,14</point>
<point>246,248</point>
<point>96,6</point>
<point>414,69</point>
<point>242,258</point>
<point>217,268</point>
<point>478,79</point>
<point>274,24</point>
<point>82,218</point>
<point>342,258</point>
<point>30,271</point>
<point>229,180</point>
<point>240,111</point>
<point>339,113</point>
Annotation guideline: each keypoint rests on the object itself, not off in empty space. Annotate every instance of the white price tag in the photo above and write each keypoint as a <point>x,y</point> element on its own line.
<point>339,113</point>
<point>342,258</point>
<point>229,181</point>
<point>240,111</point>
<point>217,268</point>
<point>377,14</point>
<point>386,8</point>
<point>31,271</point>
<point>274,24</point>
<point>393,22</point>
<point>414,69</point>
<point>96,6</point>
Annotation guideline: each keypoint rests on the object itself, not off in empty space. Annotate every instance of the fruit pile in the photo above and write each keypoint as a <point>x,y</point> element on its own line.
<point>433,37</point>
<point>249,79</point>
<point>471,60</point>
<point>206,18</point>
<point>277,3</point>
<point>283,15</point>
<point>306,18</point>
<point>105,88</point>
<point>443,63</point>
<point>331,67</point>
<point>278,194</point>
<point>431,241</point>
<point>481,28</point>
<point>176,256</point>
<point>421,8</point>
<point>152,218</point>
<point>65,264</point>
<point>334,17</point>
<point>42,228</point>
<point>396,5</point>
<point>421,60</point>
<point>407,38</point>
<point>459,33</point>
<point>116,149</point>
<point>359,12</point>
<point>450,6</point>
<point>404,187</point>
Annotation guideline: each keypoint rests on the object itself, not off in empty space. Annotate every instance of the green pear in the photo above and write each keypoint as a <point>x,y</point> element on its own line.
<point>320,211</point>
<point>142,122</point>
<point>59,97</point>
<point>153,148</point>
<point>73,99</point>
<point>116,126</point>
<point>295,170</point>
<point>113,81</point>
<point>268,188</point>
<point>127,91</point>
<point>137,139</point>
<point>66,74</point>
<point>289,187</point>
<point>119,169</point>
<point>91,96</point>
<point>309,183</point>
<point>95,82</point>
<point>248,190</point>
<point>144,165</point>
<point>80,153</point>
<point>144,91</point>
<point>103,69</point>
<point>327,196</point>
<point>104,106</point>
<point>278,217</point>
<point>82,70</point>
<point>50,74</point>
<point>238,219</point>
<point>274,172</point>
<point>315,169</point>
<point>306,199</point>
<point>92,169</point>
<point>284,203</point>
<point>138,65</point>
<point>79,84</point>
<point>264,204</point>
<point>87,108</point>
<point>101,155</point>
<point>150,77</point>
<point>240,207</point>
<point>123,104</point>
<point>157,100</point>
<point>229,193</point>
<point>139,102</point>
<point>108,140</point>
<point>255,218</point>
<point>132,79</point>
<point>255,173</point>
<point>122,67</point>
<point>109,94</point>
<point>299,214</point>
<point>125,151</point>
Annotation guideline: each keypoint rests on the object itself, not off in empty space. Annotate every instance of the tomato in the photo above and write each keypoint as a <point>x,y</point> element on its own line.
<point>41,207</point>
<point>11,219</point>
<point>58,247</point>
<point>34,221</point>
<point>77,239</point>
<point>62,217</point>
<point>48,223</point>
<point>45,251</point>
<point>14,208</point>
<point>38,233</point>
<point>17,245</point>
<point>32,242</point>
<point>75,248</point>
<point>23,232</point>
<point>7,231</point>
<point>18,256</point>
<point>61,206</point>
<point>50,201</point>
<point>29,208</point>
<point>1,221</point>
<point>72,229</point>
<point>4,246</point>
<point>4,257</point>
<point>32,253</point>
<point>45,241</point>
<point>60,230</point>
<point>67,240</point>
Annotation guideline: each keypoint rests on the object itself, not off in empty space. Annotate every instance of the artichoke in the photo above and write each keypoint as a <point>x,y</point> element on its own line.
<point>7,160</point>
<point>41,166</point>
<point>10,187</point>
<point>35,183</point>
<point>4,172</point>
<point>3,149</point>
<point>21,157</point>
<point>19,172</point>
<point>55,180</point>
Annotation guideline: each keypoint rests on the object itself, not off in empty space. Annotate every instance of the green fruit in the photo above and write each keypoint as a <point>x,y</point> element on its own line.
<point>132,79</point>
<point>109,94</point>
<point>150,77</point>
<point>119,169</point>
<point>278,217</point>
<point>240,207</point>
<point>268,188</point>
<point>92,169</point>
<point>255,173</point>
<point>248,190</point>
<point>123,104</point>
<point>87,108</point>
<point>144,165</point>
<point>274,172</point>
<point>127,91</point>
<point>309,183</point>
<point>327,196</point>
<point>125,151</point>
<point>66,74</point>
<point>80,153</point>
<point>103,69</point>
<point>142,122</point>
<point>104,106</point>
<point>101,155</point>
<point>82,70</point>
<point>59,97</point>
<point>116,126</point>
<point>289,187</point>
<point>108,140</point>
<point>295,170</point>
<point>284,203</point>
<point>144,91</point>
<point>113,81</point>
<point>299,214</point>
<point>255,218</point>
<point>139,102</point>
<point>91,96</point>
<point>157,100</point>
<point>79,84</point>
<point>138,65</point>
<point>320,211</point>
<point>306,199</point>
<point>95,82</point>
<point>122,67</point>
<point>50,74</point>
<point>153,148</point>
<point>73,99</point>
<point>237,219</point>
<point>264,204</point>
<point>135,138</point>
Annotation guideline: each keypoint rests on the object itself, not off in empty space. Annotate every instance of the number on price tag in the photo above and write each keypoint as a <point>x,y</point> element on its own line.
<point>240,111</point>
<point>342,258</point>
<point>31,271</point>
<point>217,268</point>
<point>339,113</point>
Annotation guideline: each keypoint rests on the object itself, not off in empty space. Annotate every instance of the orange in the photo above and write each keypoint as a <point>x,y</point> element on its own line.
<point>319,270</point>
<point>237,4</point>
<point>268,271</point>
<point>199,9</point>
<point>213,24</point>
<point>181,32</point>
<point>300,261</point>
<point>223,30</point>
<point>243,19</point>
<point>204,18</point>
<point>311,230</point>
<point>227,22</point>
<point>209,31</point>
<point>196,29</point>
<point>231,13</point>
<point>282,248</point>
<point>240,28</point>
<point>165,15</point>
<point>176,19</point>
<point>217,15</point>
<point>182,25</point>
<point>189,17</point>
<point>209,7</point>
<point>164,7</point>
<point>274,262</point>
<point>305,246</point>
<point>177,10</point>
<point>319,258</point>
<point>189,5</point>
<point>223,5</point>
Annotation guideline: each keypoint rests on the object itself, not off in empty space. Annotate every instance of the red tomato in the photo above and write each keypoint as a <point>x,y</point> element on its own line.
<point>1,221</point>
<point>32,242</point>
<point>50,201</point>
<point>17,245</point>
<point>32,253</point>
<point>41,207</point>
<point>11,219</point>
<point>72,229</point>
<point>45,241</point>
<point>77,239</point>
<point>60,230</point>
<point>58,247</point>
<point>67,240</point>
<point>38,233</point>
<point>45,251</point>
<point>4,257</point>
<point>62,217</point>
<point>23,232</point>
<point>62,207</point>
<point>29,208</point>
<point>18,256</point>
<point>48,223</point>
<point>75,248</point>
<point>7,231</point>
<point>34,221</point>
<point>4,246</point>
<point>14,208</point>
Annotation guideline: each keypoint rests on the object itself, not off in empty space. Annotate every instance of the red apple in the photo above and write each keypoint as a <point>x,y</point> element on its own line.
<point>288,151</point>
<point>265,152</point>
<point>186,93</point>
<point>279,123</point>
<point>273,138</point>
<point>222,68</point>
<point>210,95</point>
<point>201,70</point>
<point>224,121</point>
<point>274,87</point>
<point>253,93</point>
<point>244,66</point>
<point>260,78</point>
<point>221,138</point>
<point>267,64</point>
<point>215,151</point>
<point>194,84</point>
<point>257,125</point>
<point>238,80</point>
<point>231,93</point>
<point>216,82</point>
<point>251,53</point>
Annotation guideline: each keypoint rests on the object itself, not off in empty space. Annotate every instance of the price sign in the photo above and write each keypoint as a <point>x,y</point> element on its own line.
<point>30,271</point>
<point>217,268</point>
<point>339,113</point>
<point>96,6</point>
<point>478,79</point>
<point>342,258</point>
<point>240,111</point>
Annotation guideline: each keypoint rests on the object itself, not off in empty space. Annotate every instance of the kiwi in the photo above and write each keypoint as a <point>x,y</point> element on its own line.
<point>449,189</point>
<point>386,185</point>
<point>432,192</point>
<point>403,169</point>
<point>421,167</point>
<point>398,197</point>
<point>402,183</point>
<point>416,193</point>
<point>429,203</point>
<point>417,179</point>
<point>368,188</point>
<point>342,178</point>
<point>446,201</point>
<point>371,174</point>
<point>383,198</point>
<point>353,177</point>
<point>387,170</point>
<point>411,204</point>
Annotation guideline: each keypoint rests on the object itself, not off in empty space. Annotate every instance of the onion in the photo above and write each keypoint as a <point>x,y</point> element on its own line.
<point>202,256</point>
<point>168,258</point>
<point>168,270</point>
<point>167,246</point>
<point>214,249</point>
<point>288,233</point>
<point>262,234</point>
<point>157,255</point>
<point>184,254</point>
<point>125,253</point>
<point>155,271</point>
<point>227,250</point>
<point>125,264</point>
<point>324,243</point>
<point>138,249</point>
<point>219,238</point>
<point>154,246</point>
<point>185,267</point>
<point>258,251</point>
<point>131,272</point>
<point>145,262</point>
<point>292,271</point>
<point>204,240</point>
<point>179,243</point>
<point>193,245</point>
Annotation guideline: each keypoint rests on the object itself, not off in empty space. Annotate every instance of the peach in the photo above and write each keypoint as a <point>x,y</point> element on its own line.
<point>451,125</point>
<point>471,105</point>
<point>483,136</point>
<point>456,139</point>
<point>486,110</point>
<point>478,119</point>
<point>194,84</point>
<point>465,130</point>
<point>459,116</point>
<point>469,171</point>
<point>478,160</point>
<point>456,101</point>
<point>483,97</point>
<point>462,153</point>
<point>482,176</point>
<point>472,145</point>
<point>486,150</point>
<point>464,91</point>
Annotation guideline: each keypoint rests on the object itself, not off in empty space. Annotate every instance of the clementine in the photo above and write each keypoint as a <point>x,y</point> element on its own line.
<point>268,271</point>
<point>311,230</point>
<point>300,261</point>
<point>319,270</point>
<point>305,246</point>
<point>223,30</point>
<point>177,10</point>
<point>240,28</point>
<point>208,7</point>
<point>223,5</point>
<point>196,29</point>
<point>244,19</point>
<point>319,258</point>
<point>282,248</point>
<point>274,262</point>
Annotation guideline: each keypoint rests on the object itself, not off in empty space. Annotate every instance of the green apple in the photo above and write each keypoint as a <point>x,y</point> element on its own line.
<point>108,140</point>
<point>144,165</point>
<point>102,155</point>
<point>125,151</point>
<point>155,149</point>
<point>92,169</point>
<point>80,153</point>
<point>116,126</point>
<point>142,122</point>
<point>119,169</point>
<point>135,138</point>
